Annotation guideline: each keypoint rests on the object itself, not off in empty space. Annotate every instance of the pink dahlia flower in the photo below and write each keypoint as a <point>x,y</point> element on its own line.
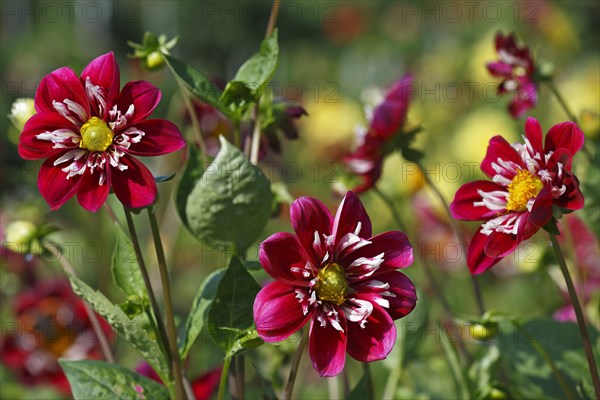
<point>527,181</point>
<point>88,132</point>
<point>385,124</point>
<point>335,275</point>
<point>515,65</point>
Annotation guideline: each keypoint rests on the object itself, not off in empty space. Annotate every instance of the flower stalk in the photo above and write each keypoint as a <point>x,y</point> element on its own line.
<point>587,346</point>
<point>289,387</point>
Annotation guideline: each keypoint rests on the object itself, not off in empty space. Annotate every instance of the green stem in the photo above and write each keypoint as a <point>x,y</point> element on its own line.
<point>289,387</point>
<point>561,100</point>
<point>273,17</point>
<point>458,235</point>
<point>166,284</point>
<point>255,135</point>
<point>194,118</point>
<point>161,330</point>
<point>102,340</point>
<point>370,388</point>
<point>587,346</point>
<point>223,381</point>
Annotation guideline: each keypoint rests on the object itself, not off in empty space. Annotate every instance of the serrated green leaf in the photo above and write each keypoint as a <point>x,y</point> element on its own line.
<point>194,168</point>
<point>128,329</point>
<point>258,70</point>
<point>198,85</point>
<point>125,268</point>
<point>231,203</point>
<point>199,312</point>
<point>230,315</point>
<point>100,380</point>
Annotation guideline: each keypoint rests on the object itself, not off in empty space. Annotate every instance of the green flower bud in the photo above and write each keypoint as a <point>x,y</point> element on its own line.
<point>154,61</point>
<point>483,332</point>
<point>20,235</point>
<point>22,109</point>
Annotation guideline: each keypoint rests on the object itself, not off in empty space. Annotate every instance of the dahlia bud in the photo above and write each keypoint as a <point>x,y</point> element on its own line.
<point>22,109</point>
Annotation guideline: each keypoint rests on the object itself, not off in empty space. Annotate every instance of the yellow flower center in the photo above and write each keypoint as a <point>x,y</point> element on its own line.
<point>523,187</point>
<point>332,284</point>
<point>96,135</point>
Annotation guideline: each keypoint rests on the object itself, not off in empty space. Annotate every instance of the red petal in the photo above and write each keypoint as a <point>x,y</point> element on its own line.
<point>540,215</point>
<point>349,213</point>
<point>103,71</point>
<point>282,257</point>
<point>389,116</point>
<point>32,148</point>
<point>205,385</point>
<point>572,199</point>
<point>400,285</point>
<point>499,69</point>
<point>477,260</point>
<point>57,86</point>
<point>567,135</point>
<point>308,216</point>
<point>533,132</point>
<point>135,186</point>
<point>277,312</point>
<point>90,194</point>
<point>327,347</point>
<point>499,148</point>
<point>398,252</point>
<point>374,341</point>
<point>53,184</point>
<point>500,244</point>
<point>462,207</point>
<point>143,95</point>
<point>161,137</point>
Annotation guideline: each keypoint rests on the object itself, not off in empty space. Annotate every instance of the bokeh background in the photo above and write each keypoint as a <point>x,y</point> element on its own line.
<point>336,57</point>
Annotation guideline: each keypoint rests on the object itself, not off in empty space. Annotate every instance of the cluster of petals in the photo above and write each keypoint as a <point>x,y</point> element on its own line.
<point>88,131</point>
<point>51,323</point>
<point>527,182</point>
<point>334,274</point>
<point>515,66</point>
<point>386,121</point>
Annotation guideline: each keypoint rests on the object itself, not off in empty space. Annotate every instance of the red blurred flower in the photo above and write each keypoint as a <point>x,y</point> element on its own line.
<point>333,273</point>
<point>88,132</point>
<point>51,323</point>
<point>375,142</point>
<point>516,66</point>
<point>527,181</point>
<point>203,386</point>
<point>587,260</point>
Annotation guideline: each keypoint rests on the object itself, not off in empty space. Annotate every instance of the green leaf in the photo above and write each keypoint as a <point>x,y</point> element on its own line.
<point>360,391</point>
<point>258,70</point>
<point>125,268</point>
<point>481,373</point>
<point>528,351</point>
<point>199,312</point>
<point>163,178</point>
<point>238,94</point>
<point>198,85</point>
<point>230,317</point>
<point>231,203</point>
<point>248,340</point>
<point>251,265</point>
<point>128,329</point>
<point>101,380</point>
<point>194,169</point>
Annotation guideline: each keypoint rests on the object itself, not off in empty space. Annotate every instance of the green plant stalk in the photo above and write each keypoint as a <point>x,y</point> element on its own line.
<point>102,340</point>
<point>289,387</point>
<point>370,388</point>
<point>161,330</point>
<point>459,237</point>
<point>223,381</point>
<point>561,100</point>
<point>166,285</point>
<point>194,118</point>
<point>458,373</point>
<point>587,346</point>
<point>255,146</point>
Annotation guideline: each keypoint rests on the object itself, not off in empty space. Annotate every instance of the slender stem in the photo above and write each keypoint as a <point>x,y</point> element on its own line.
<point>166,284</point>
<point>370,389</point>
<point>273,17</point>
<point>578,313</point>
<point>289,387</point>
<point>162,332</point>
<point>459,237</point>
<point>102,340</point>
<point>561,100</point>
<point>237,381</point>
<point>194,118</point>
<point>255,135</point>
<point>223,381</point>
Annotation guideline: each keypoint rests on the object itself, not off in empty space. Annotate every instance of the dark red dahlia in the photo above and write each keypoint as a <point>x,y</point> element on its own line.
<point>333,273</point>
<point>88,131</point>
<point>528,180</point>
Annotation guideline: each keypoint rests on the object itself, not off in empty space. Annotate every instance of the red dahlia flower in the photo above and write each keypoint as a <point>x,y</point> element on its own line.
<point>333,273</point>
<point>527,181</point>
<point>51,323</point>
<point>88,132</point>
<point>386,122</point>
<point>516,66</point>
